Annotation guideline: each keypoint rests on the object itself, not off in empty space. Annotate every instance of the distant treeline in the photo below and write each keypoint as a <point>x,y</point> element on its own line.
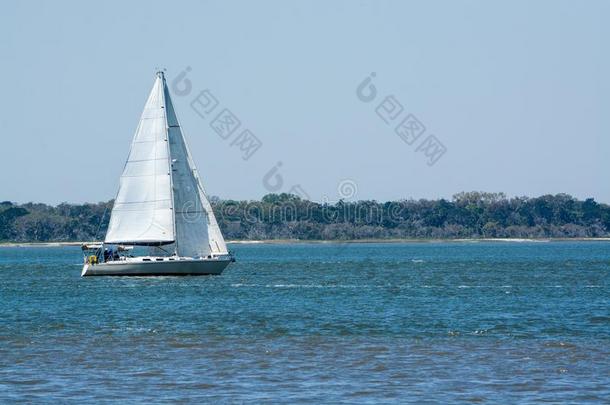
<point>286,216</point>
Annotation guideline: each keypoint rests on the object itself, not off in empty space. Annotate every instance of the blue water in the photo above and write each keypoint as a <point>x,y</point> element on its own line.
<point>320,323</point>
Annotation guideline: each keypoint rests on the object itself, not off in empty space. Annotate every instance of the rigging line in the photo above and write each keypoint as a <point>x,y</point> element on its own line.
<point>191,212</point>
<point>101,221</point>
<point>160,248</point>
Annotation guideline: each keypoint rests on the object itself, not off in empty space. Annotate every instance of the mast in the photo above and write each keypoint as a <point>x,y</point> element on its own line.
<point>161,75</point>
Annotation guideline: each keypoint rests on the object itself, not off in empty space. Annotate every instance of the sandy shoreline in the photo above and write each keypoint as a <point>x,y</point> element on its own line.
<point>292,241</point>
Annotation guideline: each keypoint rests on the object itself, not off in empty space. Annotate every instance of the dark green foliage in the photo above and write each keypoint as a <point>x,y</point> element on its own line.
<point>286,216</point>
<point>7,219</point>
<point>43,223</point>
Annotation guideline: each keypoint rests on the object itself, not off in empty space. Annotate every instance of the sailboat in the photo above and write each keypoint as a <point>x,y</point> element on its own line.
<point>161,206</point>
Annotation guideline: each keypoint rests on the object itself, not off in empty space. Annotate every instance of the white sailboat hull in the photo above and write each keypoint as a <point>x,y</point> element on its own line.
<point>182,267</point>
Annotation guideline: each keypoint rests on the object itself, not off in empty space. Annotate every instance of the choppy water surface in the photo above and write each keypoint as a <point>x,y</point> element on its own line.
<point>472,322</point>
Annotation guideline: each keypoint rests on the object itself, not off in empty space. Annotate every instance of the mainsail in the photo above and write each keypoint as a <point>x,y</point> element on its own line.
<point>142,212</point>
<point>161,199</point>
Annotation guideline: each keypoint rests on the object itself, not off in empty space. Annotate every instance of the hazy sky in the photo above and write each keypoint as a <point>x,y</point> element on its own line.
<point>518,92</point>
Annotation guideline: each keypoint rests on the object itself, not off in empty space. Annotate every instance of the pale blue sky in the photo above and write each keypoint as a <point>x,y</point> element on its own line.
<point>517,91</point>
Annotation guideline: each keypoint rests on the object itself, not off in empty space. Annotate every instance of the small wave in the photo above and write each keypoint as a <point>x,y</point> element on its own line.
<point>516,240</point>
<point>295,286</point>
<point>599,319</point>
<point>136,330</point>
<point>238,285</point>
<point>559,345</point>
<point>417,261</point>
<point>148,373</point>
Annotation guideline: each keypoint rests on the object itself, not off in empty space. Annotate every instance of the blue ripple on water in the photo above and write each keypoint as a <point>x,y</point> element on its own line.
<point>445,322</point>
